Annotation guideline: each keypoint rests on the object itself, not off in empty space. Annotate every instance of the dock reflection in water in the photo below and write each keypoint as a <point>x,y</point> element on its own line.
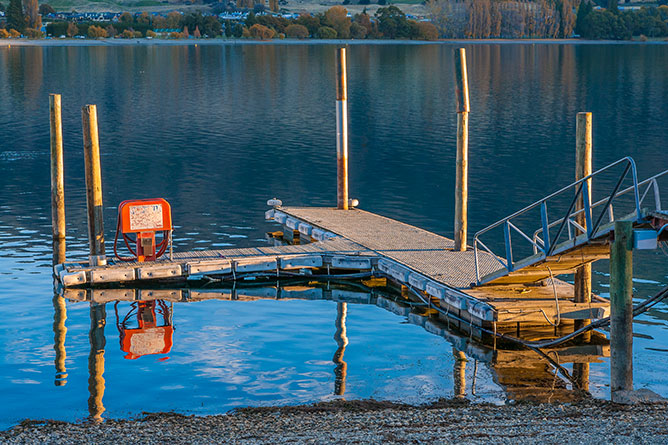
<point>144,319</point>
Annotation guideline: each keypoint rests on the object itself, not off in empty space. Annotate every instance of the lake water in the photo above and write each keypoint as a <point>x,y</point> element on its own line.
<point>217,130</point>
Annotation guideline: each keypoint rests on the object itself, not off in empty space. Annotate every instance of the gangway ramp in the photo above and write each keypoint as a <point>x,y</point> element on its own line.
<point>576,237</point>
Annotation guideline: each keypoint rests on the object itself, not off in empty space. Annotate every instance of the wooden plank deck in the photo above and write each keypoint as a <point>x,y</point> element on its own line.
<point>186,265</point>
<point>427,262</point>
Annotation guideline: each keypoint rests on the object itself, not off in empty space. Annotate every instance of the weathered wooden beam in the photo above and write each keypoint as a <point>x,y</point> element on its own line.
<point>57,180</point>
<point>93,175</point>
<point>461,177</point>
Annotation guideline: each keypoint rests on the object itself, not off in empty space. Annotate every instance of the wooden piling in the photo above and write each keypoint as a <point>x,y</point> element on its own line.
<point>93,185</point>
<point>96,383</point>
<point>57,180</point>
<point>621,308</point>
<point>341,130</point>
<point>461,185</point>
<point>459,377</point>
<point>583,168</point>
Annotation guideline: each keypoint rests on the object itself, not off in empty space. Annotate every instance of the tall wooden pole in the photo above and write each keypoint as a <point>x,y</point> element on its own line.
<point>621,309</point>
<point>93,185</point>
<point>57,180</point>
<point>583,168</point>
<point>341,130</point>
<point>461,185</point>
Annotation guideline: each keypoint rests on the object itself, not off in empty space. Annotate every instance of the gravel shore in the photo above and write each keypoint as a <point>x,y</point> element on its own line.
<point>588,422</point>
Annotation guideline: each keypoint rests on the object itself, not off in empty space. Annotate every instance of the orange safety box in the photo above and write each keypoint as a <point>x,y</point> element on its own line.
<point>144,218</point>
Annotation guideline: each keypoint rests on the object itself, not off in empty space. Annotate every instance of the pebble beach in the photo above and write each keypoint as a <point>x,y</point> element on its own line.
<point>449,421</point>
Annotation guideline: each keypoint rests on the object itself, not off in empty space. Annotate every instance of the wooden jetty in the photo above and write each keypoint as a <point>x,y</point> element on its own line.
<point>503,283</point>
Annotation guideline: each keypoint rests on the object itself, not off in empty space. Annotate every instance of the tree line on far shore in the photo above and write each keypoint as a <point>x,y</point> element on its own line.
<point>482,19</point>
<point>479,19</point>
<point>387,23</point>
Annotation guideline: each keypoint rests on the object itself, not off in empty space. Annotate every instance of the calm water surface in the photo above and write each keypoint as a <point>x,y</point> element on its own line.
<point>217,130</point>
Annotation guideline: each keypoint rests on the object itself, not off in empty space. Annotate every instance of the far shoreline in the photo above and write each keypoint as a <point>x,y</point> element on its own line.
<point>232,42</point>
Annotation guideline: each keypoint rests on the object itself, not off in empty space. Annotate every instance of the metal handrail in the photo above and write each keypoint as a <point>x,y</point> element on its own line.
<point>582,187</point>
<point>652,185</point>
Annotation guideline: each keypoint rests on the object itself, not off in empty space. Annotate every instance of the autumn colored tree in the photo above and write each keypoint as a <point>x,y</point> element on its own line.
<point>144,18</point>
<point>480,19</point>
<point>311,23</point>
<point>32,14</point>
<point>111,31</point>
<point>261,32</point>
<point>96,32</point>
<point>273,5</point>
<point>296,31</point>
<point>72,29</point>
<point>337,18</point>
<point>196,33</point>
<point>428,31</point>
<point>174,20</point>
<point>126,18</point>
<point>364,20</point>
<point>185,32</point>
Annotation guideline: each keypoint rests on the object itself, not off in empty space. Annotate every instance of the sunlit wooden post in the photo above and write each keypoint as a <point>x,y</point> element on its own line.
<point>57,180</point>
<point>459,377</point>
<point>461,185</point>
<point>93,185</point>
<point>59,335</point>
<point>621,309</point>
<point>98,320</point>
<point>583,168</point>
<point>341,130</point>
<point>341,370</point>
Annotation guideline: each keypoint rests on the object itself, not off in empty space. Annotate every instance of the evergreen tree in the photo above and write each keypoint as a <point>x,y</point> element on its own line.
<point>15,18</point>
<point>584,10</point>
<point>612,6</point>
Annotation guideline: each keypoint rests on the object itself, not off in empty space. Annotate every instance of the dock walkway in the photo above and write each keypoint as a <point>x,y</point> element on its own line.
<point>426,262</point>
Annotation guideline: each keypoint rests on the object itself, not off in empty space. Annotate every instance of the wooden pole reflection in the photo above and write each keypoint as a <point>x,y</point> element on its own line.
<point>581,375</point>
<point>459,373</point>
<point>98,319</point>
<point>59,334</point>
<point>341,369</point>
